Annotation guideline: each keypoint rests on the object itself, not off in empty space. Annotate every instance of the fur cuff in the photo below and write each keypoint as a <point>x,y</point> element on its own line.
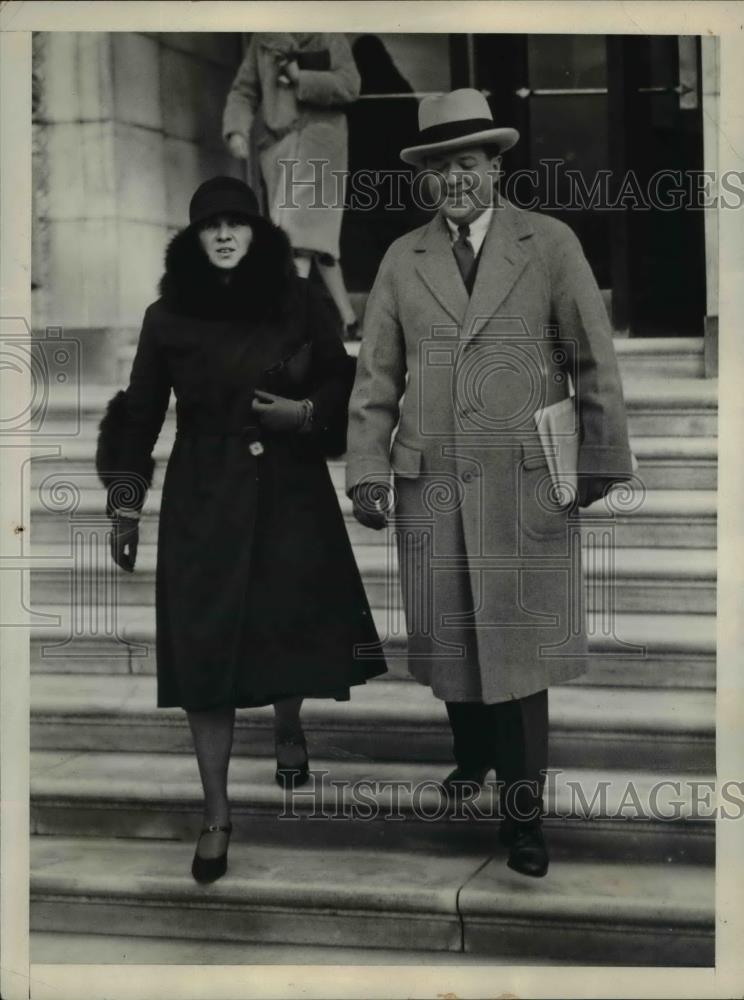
<point>109,458</point>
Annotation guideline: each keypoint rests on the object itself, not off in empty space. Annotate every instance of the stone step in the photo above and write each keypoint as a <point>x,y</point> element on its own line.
<point>639,728</point>
<point>672,356</point>
<point>653,580</point>
<point>678,357</point>
<point>607,814</point>
<point>683,405</point>
<point>663,518</point>
<point>622,913</point>
<point>671,407</point>
<point>62,948</point>
<point>674,463</point>
<point>664,463</point>
<point>631,650</point>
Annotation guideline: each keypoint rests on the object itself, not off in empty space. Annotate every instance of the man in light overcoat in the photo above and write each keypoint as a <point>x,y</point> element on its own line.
<point>476,321</point>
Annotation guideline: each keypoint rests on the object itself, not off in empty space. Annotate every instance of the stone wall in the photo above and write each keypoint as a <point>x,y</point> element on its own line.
<point>126,125</point>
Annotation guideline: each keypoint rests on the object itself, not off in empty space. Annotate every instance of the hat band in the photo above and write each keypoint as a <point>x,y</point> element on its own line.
<point>454,130</point>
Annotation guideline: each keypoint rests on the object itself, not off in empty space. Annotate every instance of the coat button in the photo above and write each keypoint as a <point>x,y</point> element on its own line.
<point>467,477</point>
<point>256,448</point>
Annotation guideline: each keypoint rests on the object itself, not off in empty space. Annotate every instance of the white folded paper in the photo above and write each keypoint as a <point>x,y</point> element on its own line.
<point>558,430</point>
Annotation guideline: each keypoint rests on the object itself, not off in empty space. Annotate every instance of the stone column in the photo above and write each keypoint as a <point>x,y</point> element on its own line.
<point>126,126</point>
<point>711,112</point>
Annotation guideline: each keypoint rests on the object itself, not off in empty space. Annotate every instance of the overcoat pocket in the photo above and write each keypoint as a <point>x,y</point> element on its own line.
<point>541,511</point>
<point>405,461</point>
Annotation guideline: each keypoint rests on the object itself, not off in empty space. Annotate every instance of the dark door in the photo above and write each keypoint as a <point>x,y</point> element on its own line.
<point>628,107</point>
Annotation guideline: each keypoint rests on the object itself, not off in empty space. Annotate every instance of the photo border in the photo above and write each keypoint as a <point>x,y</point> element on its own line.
<point>45,982</point>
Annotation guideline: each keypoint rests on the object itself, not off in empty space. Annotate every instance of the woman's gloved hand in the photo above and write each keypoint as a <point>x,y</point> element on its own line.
<point>277,413</point>
<point>124,541</point>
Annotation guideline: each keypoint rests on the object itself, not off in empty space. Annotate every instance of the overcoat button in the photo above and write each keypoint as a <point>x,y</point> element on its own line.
<point>256,448</point>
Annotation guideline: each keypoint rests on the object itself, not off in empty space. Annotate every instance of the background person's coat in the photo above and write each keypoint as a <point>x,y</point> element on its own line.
<point>300,123</point>
<point>490,568</point>
<point>258,595</point>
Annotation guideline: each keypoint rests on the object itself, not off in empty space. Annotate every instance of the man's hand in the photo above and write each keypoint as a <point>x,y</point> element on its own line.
<point>277,413</point>
<point>124,541</point>
<point>372,502</point>
<point>593,488</point>
<point>238,145</point>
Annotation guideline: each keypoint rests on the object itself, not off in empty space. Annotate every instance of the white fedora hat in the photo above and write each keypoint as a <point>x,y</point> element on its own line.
<point>460,118</point>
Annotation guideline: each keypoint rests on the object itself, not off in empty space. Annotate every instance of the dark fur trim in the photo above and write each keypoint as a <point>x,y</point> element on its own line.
<point>108,450</point>
<point>262,285</point>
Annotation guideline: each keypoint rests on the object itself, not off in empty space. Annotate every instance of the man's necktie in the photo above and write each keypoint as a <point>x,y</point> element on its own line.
<point>465,255</point>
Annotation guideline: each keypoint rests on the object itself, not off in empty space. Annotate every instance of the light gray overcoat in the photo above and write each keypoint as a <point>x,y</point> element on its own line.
<point>490,563</point>
<point>304,125</point>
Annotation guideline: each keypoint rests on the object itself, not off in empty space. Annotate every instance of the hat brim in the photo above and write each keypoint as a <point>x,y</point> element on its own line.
<point>504,138</point>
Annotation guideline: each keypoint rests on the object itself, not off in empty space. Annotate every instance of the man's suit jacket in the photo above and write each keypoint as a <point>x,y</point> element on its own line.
<point>461,378</point>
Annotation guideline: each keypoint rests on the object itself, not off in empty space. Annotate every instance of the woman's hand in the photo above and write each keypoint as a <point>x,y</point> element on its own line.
<point>124,541</point>
<point>292,70</point>
<point>277,413</point>
<point>238,145</point>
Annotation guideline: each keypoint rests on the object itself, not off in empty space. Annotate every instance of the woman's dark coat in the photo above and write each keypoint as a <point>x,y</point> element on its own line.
<point>258,595</point>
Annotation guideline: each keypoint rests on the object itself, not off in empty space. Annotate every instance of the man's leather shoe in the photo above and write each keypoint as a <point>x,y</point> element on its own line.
<point>528,854</point>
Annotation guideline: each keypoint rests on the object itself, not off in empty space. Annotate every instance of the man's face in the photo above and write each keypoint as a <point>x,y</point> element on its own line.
<point>461,182</point>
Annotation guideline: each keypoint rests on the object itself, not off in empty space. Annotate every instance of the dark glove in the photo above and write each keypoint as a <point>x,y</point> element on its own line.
<point>277,413</point>
<point>124,541</point>
<point>372,503</point>
<point>593,488</point>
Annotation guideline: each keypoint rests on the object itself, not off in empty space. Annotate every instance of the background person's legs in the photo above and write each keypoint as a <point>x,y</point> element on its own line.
<point>302,263</point>
<point>332,275</point>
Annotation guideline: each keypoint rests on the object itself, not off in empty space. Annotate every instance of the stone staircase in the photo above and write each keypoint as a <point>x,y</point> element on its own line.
<point>116,794</point>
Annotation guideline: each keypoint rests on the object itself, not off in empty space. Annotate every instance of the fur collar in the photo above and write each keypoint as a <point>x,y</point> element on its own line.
<point>263,284</point>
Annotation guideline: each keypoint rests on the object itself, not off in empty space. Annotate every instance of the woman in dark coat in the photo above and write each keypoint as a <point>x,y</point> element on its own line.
<point>258,597</point>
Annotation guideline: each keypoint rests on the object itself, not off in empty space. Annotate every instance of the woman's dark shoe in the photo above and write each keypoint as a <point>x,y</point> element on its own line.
<point>528,854</point>
<point>210,869</point>
<point>292,764</point>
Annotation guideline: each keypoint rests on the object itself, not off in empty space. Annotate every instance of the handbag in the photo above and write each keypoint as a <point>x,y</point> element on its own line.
<point>319,60</point>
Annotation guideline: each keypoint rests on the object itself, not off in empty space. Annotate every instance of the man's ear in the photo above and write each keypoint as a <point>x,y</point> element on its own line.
<point>496,167</point>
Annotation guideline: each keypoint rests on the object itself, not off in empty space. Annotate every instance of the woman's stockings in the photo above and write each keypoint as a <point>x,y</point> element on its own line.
<point>212,732</point>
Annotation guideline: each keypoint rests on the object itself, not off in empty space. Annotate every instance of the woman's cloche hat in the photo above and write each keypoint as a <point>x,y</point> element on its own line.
<point>453,121</point>
<point>219,195</point>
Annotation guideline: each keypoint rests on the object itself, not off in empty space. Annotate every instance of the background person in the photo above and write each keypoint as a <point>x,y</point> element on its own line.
<point>293,87</point>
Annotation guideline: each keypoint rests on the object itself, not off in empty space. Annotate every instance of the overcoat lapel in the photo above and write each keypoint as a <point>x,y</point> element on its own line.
<point>502,261</point>
<point>438,269</point>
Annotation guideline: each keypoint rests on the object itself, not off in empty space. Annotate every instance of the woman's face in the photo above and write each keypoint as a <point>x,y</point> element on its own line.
<point>225,239</point>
